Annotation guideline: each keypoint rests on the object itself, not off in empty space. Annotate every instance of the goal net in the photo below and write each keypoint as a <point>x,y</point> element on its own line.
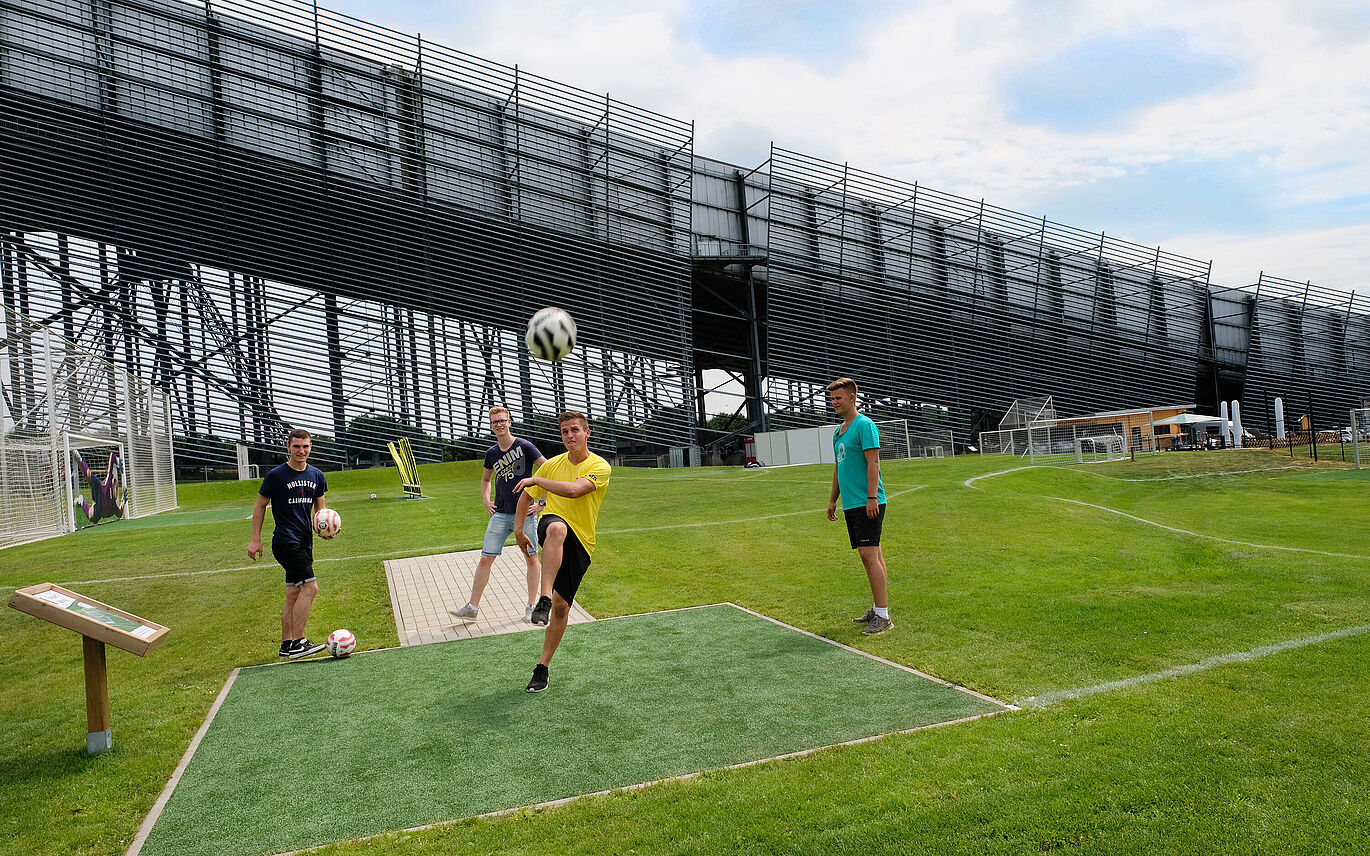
<point>899,440</point>
<point>99,487</point>
<point>1360,436</point>
<point>1059,442</point>
<point>61,405</point>
<point>1100,447</point>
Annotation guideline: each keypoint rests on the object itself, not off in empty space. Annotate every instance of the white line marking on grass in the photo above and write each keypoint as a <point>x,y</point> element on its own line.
<point>151,820</point>
<point>1175,671</point>
<point>400,554</point>
<point>741,520</point>
<point>970,482</point>
<point>1209,537</point>
<point>871,656</point>
<point>1193,475</point>
<point>419,552</point>
<point>1175,529</point>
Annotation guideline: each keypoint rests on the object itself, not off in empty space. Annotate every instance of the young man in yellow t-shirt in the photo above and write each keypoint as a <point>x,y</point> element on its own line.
<point>573,486</point>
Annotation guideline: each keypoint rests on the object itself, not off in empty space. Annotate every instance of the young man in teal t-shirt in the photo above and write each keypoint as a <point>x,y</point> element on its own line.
<point>856,478</point>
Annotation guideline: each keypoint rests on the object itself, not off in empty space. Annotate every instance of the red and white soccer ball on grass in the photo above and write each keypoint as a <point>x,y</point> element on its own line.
<point>327,523</point>
<point>341,643</point>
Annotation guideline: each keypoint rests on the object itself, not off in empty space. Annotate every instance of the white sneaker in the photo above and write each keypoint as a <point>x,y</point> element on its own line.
<point>466,613</point>
<point>528,613</point>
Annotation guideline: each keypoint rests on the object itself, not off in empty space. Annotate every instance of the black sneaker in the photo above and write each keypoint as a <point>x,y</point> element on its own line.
<point>539,680</point>
<point>287,645</point>
<point>541,614</point>
<point>304,648</point>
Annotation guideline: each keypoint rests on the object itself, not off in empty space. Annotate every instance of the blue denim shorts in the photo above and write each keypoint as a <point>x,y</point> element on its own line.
<point>501,526</point>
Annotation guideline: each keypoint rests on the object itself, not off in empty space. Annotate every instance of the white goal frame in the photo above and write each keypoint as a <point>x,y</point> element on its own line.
<point>1113,445</point>
<point>1360,434</point>
<point>55,395</point>
<point>899,441</point>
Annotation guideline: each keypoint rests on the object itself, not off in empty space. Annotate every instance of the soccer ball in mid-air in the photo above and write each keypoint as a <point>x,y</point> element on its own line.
<point>327,523</point>
<point>341,643</point>
<point>551,334</point>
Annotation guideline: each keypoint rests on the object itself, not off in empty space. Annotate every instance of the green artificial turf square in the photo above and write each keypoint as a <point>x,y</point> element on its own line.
<point>324,750</point>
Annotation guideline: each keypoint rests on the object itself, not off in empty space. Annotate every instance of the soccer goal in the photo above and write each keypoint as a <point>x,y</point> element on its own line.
<point>81,440</point>
<point>899,440</point>
<point>1360,436</point>
<point>98,487</point>
<point>1100,447</point>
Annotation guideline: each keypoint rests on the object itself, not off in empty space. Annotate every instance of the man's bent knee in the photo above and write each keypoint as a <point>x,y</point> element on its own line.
<point>560,608</point>
<point>556,530</point>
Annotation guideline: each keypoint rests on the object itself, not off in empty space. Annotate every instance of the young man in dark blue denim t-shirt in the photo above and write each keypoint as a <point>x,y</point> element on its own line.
<point>295,491</point>
<point>509,460</point>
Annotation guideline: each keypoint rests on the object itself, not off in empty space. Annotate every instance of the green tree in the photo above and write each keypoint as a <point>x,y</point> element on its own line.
<point>726,423</point>
<point>368,438</point>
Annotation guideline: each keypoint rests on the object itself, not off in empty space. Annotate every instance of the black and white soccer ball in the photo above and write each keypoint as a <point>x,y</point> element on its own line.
<point>551,334</point>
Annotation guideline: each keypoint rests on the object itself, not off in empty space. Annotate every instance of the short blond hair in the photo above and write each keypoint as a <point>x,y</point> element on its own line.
<point>843,383</point>
<point>498,409</point>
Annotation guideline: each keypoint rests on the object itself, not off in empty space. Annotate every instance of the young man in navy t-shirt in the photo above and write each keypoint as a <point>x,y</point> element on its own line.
<point>509,461</point>
<point>295,492</point>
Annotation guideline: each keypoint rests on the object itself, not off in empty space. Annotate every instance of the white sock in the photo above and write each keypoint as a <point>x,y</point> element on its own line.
<point>882,611</point>
<point>473,606</point>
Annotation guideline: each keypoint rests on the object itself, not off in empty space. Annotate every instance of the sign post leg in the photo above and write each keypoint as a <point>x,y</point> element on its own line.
<point>98,734</point>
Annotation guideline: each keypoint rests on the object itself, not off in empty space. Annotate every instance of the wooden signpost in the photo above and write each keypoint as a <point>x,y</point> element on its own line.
<point>98,624</point>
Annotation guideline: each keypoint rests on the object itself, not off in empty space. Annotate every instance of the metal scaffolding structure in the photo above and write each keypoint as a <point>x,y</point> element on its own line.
<point>286,216</point>
<point>1309,346</point>
<point>281,215</point>
<point>951,308</point>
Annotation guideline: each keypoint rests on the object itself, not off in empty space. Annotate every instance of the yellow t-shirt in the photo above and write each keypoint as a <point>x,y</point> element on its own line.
<point>580,514</point>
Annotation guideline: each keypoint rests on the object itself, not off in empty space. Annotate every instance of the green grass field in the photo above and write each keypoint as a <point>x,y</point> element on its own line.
<point>1014,587</point>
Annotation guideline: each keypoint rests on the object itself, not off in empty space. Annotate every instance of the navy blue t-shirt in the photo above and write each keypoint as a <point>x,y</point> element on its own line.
<point>292,496</point>
<point>510,467</point>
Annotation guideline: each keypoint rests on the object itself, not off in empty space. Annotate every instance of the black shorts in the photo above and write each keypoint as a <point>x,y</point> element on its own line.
<point>298,561</point>
<point>574,560</point>
<point>861,530</point>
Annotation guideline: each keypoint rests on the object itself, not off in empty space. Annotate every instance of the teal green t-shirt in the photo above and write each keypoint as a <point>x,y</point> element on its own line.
<point>849,447</point>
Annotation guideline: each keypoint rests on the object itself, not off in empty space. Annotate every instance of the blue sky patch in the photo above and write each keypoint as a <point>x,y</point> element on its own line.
<point>1226,196</point>
<point>822,34</point>
<point>1097,84</point>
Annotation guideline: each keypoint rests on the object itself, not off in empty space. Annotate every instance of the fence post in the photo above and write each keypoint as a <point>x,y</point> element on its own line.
<point>1355,438</point>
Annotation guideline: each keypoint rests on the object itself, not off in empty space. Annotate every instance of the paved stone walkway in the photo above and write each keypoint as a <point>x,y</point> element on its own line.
<point>426,590</point>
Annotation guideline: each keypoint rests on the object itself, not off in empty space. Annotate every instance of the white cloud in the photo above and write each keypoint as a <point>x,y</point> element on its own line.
<point>921,98</point>
<point>1341,256</point>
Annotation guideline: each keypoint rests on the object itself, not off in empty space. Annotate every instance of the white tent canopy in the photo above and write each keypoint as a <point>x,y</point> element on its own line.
<point>1189,419</point>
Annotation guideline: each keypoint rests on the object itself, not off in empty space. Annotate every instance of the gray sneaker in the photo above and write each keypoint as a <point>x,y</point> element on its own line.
<point>877,625</point>
<point>865,619</point>
<point>466,613</point>
<point>528,613</point>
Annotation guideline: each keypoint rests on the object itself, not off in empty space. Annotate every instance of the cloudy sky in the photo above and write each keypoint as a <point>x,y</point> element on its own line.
<point>1236,131</point>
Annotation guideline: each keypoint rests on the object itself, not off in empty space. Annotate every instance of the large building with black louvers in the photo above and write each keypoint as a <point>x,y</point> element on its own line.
<point>285,216</point>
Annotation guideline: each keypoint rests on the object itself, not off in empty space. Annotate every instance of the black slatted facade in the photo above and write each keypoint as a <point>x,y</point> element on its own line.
<point>948,305</point>
<point>286,216</point>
